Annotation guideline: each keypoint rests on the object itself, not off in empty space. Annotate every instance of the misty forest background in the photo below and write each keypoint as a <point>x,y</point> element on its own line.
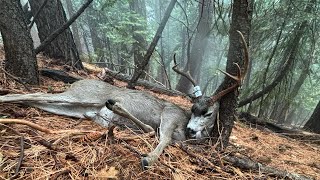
<point>283,48</point>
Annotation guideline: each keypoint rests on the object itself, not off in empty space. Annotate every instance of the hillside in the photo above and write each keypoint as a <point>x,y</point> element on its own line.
<point>95,156</point>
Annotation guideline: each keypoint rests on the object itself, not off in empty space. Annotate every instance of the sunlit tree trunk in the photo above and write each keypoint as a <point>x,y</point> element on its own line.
<point>18,45</point>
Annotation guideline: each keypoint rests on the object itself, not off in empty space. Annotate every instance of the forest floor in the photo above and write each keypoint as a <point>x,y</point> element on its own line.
<point>91,156</point>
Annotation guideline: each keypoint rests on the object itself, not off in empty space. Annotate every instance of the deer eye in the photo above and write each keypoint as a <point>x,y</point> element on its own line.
<point>203,112</point>
<point>207,115</point>
<point>193,109</point>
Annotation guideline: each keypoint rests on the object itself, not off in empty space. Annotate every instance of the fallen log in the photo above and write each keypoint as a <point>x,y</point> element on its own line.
<point>146,84</point>
<point>245,163</point>
<point>297,134</point>
<point>59,75</point>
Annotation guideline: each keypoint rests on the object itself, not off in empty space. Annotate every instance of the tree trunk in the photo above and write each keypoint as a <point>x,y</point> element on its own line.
<point>86,43</point>
<point>94,33</point>
<point>139,45</point>
<point>241,12</point>
<point>158,6</point>
<point>291,96</point>
<point>51,17</point>
<point>304,74</point>
<point>75,29</point>
<point>19,51</point>
<point>313,124</point>
<point>199,45</point>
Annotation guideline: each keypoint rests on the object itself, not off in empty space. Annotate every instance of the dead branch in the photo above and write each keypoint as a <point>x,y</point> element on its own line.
<point>202,159</point>
<point>16,173</point>
<point>21,151</point>
<point>132,149</point>
<point>43,129</point>
<point>9,91</point>
<point>16,79</point>
<point>37,13</point>
<point>135,137</point>
<point>56,175</point>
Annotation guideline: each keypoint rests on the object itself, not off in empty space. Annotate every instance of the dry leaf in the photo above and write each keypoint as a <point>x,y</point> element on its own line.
<point>110,173</point>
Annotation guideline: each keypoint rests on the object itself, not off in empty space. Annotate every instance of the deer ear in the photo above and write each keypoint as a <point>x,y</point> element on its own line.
<point>110,103</point>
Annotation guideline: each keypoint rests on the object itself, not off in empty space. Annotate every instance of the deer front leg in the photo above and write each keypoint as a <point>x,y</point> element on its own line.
<point>121,111</point>
<point>166,131</point>
<point>169,122</point>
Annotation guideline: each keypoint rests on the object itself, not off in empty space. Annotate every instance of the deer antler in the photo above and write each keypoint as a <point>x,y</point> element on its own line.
<point>185,74</point>
<point>239,78</point>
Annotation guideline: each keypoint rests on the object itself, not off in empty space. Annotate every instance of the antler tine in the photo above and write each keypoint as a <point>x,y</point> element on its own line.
<point>216,97</point>
<point>231,76</point>
<point>246,56</point>
<point>238,78</point>
<point>185,74</point>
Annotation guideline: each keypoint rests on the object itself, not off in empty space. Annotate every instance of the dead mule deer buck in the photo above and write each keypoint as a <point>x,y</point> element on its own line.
<point>106,105</point>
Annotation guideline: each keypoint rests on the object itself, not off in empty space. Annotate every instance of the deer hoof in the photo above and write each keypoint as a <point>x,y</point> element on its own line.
<point>110,103</point>
<point>144,163</point>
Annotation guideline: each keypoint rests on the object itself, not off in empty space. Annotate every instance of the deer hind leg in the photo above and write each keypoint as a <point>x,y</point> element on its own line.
<point>121,111</point>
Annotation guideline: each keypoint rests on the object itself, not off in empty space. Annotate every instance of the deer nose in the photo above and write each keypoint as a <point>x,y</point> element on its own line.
<point>191,131</point>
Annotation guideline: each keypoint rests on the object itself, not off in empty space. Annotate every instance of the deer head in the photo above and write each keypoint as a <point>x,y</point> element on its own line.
<point>205,109</point>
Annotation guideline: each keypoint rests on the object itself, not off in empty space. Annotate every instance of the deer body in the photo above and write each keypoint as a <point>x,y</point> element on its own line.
<point>87,98</point>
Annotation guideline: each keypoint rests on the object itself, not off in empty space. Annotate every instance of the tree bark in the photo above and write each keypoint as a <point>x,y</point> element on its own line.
<point>94,33</point>
<point>63,47</point>
<point>75,29</point>
<point>228,104</point>
<point>139,45</point>
<point>19,51</point>
<point>205,9</point>
<point>158,6</point>
<point>137,73</point>
<point>313,124</point>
